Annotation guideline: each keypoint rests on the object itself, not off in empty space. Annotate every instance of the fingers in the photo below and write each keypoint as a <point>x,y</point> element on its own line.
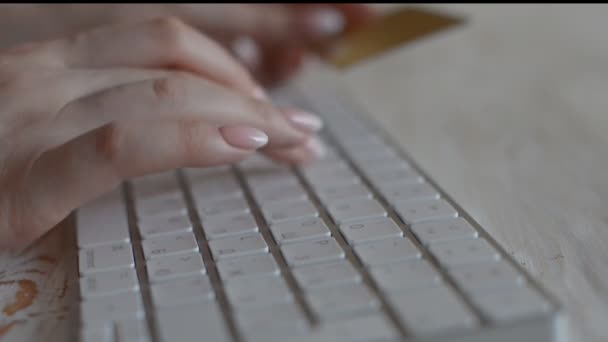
<point>302,154</point>
<point>86,167</point>
<point>188,98</point>
<point>159,43</point>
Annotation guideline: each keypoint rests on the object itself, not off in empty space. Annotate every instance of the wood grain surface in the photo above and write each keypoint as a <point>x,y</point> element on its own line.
<point>507,114</point>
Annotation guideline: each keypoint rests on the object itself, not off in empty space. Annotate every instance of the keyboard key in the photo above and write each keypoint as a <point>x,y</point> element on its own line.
<point>356,210</point>
<point>96,311</point>
<point>275,323</point>
<point>433,311</point>
<point>410,192</point>
<point>460,252</point>
<point>98,334</point>
<point>175,266</point>
<point>314,277</point>
<point>332,177</point>
<point>387,251</point>
<point>282,212</point>
<point>224,226</point>
<point>372,327</point>
<point>175,244</point>
<point>280,193</point>
<point>310,252</point>
<point>108,283</point>
<point>294,231</point>
<point>515,304</point>
<point>215,188</point>
<point>105,257</point>
<point>132,330</point>
<point>258,292</point>
<point>247,266</point>
<point>487,277</point>
<point>103,221</point>
<point>370,230</point>
<point>161,205</point>
<point>444,230</point>
<point>405,276</point>
<point>416,212</point>
<point>267,178</point>
<point>164,226</point>
<point>335,193</point>
<point>182,291</point>
<point>389,178</point>
<point>339,301</point>
<point>223,207</point>
<point>238,246</point>
<point>188,323</point>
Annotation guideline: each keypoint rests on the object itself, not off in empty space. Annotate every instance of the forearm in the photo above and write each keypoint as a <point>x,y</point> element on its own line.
<point>27,22</point>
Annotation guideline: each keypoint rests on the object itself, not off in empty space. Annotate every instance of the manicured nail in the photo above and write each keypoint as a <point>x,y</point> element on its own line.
<point>304,120</point>
<point>327,21</point>
<point>316,147</point>
<point>248,138</point>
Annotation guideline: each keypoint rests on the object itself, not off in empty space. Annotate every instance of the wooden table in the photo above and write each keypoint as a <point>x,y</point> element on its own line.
<point>508,114</point>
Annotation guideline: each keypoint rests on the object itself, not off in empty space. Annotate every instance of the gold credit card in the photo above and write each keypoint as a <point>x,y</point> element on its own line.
<point>385,33</point>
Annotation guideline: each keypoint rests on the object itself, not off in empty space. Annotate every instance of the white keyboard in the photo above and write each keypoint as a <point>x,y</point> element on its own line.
<point>360,246</point>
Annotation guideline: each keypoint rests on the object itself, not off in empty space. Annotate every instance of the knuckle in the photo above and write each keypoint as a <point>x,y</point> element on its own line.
<point>108,143</point>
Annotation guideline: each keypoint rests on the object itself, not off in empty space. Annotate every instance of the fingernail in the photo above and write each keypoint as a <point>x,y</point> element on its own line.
<point>304,120</point>
<point>327,21</point>
<point>246,50</point>
<point>316,147</point>
<point>260,94</point>
<point>248,138</point>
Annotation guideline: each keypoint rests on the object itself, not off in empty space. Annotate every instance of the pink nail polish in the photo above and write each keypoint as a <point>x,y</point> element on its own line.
<point>316,147</point>
<point>243,137</point>
<point>304,120</point>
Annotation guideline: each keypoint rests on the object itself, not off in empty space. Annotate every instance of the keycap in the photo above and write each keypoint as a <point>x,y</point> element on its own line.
<point>274,323</point>
<point>102,221</point>
<point>387,251</point>
<point>317,277</point>
<point>487,277</point>
<point>181,291</point>
<point>370,230</point>
<point>334,176</point>
<point>467,251</point>
<point>280,193</point>
<point>97,311</point>
<point>282,212</point>
<point>300,230</point>
<point>175,266</point>
<point>174,244</point>
<point>444,230</point>
<point>515,304</point>
<point>420,211</point>
<point>355,210</point>
<point>224,226</point>
<point>433,311</point>
<point>189,323</point>
<point>132,330</point>
<point>105,257</point>
<point>164,225</point>
<point>107,283</point>
<point>160,205</point>
<point>258,292</point>
<point>388,178</point>
<point>238,246</point>
<point>224,207</point>
<point>371,327</point>
<point>410,192</point>
<point>224,186</point>
<point>247,266</point>
<point>154,185</point>
<point>336,301</point>
<point>310,252</point>
<point>97,334</point>
<point>335,193</point>
<point>405,276</point>
<point>264,178</point>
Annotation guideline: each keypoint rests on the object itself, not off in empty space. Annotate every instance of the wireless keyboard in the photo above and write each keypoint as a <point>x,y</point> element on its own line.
<point>359,246</point>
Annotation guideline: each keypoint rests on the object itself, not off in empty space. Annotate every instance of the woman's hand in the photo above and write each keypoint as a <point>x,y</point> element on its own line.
<point>79,115</point>
<point>270,39</point>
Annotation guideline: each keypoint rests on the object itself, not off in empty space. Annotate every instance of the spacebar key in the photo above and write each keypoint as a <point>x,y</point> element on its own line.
<point>192,323</point>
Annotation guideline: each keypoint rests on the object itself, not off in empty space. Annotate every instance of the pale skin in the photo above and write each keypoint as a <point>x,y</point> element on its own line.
<point>79,114</point>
